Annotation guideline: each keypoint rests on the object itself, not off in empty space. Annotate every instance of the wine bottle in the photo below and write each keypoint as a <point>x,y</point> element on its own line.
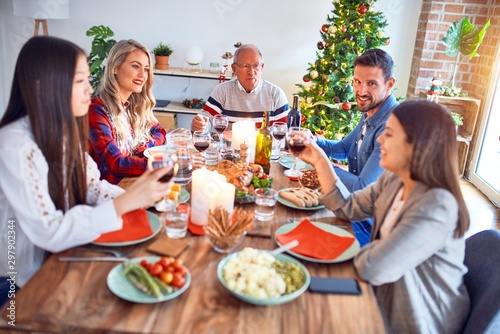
<point>294,116</point>
<point>264,144</point>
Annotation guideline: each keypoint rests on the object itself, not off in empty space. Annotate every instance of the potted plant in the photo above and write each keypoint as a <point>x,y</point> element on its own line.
<point>461,40</point>
<point>101,44</point>
<point>162,53</point>
<point>457,118</point>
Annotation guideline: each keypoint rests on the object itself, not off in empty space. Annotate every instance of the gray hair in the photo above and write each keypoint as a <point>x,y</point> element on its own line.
<point>246,47</point>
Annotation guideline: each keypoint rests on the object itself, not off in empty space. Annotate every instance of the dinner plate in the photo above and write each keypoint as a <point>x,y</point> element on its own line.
<point>161,149</point>
<point>267,301</point>
<point>346,255</point>
<point>184,196</point>
<point>286,202</point>
<point>287,162</point>
<point>155,225</point>
<point>121,286</point>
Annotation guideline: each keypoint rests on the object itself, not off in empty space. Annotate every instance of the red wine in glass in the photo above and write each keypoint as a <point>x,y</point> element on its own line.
<point>220,128</point>
<point>297,146</point>
<point>168,175</point>
<point>201,145</point>
<point>279,135</point>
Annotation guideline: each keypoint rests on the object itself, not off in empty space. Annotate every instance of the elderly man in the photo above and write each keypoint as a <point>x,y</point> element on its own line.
<point>247,96</point>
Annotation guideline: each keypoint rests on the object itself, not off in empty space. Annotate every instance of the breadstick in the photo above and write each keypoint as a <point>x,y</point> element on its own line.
<point>289,196</point>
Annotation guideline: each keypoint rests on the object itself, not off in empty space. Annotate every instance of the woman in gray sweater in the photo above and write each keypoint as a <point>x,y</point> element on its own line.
<point>415,257</point>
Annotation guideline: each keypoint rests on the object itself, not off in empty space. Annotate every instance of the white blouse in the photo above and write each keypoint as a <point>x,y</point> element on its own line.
<point>30,223</point>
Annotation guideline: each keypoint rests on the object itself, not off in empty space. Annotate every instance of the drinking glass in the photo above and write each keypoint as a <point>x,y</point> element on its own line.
<point>296,145</point>
<point>220,123</point>
<point>279,131</point>
<point>201,141</point>
<point>183,167</point>
<point>157,161</point>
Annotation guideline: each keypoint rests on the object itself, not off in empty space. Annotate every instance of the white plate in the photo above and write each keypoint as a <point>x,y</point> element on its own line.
<point>346,255</point>
<point>155,225</point>
<point>161,149</point>
<point>286,202</point>
<point>287,162</point>
<point>121,286</point>
<point>267,301</point>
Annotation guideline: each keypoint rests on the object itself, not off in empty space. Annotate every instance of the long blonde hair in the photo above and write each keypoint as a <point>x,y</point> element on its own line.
<point>133,127</point>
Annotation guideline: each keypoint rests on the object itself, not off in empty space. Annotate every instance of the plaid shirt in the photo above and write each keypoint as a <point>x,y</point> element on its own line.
<point>113,164</point>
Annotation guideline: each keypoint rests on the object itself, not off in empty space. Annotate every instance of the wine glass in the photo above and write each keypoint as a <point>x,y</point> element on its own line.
<point>296,145</point>
<point>278,130</point>
<point>157,161</point>
<point>201,141</point>
<point>220,123</point>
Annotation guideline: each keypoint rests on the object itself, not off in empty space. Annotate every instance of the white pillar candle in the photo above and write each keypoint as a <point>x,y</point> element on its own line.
<point>241,131</point>
<point>208,191</point>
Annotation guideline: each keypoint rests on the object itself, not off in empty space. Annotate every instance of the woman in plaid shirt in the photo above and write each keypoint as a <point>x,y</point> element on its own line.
<point>122,124</point>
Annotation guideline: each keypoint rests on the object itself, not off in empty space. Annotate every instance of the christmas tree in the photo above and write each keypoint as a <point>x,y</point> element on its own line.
<point>327,94</point>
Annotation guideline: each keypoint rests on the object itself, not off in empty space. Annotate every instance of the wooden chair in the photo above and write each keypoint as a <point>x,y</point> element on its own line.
<point>482,258</point>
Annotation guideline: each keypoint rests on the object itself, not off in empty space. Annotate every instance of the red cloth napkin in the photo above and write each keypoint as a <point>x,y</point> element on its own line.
<point>195,229</point>
<point>135,226</point>
<point>315,242</point>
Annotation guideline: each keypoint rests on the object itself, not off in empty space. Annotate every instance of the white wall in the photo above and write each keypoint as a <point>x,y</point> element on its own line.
<point>286,30</point>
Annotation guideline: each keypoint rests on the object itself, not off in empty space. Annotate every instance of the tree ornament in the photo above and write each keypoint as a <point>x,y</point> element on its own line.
<point>327,45</point>
<point>332,30</point>
<point>380,34</point>
<point>320,45</point>
<point>343,29</point>
<point>346,105</point>
<point>368,40</point>
<point>349,89</point>
<point>336,99</point>
<point>362,9</point>
<point>324,28</point>
<point>388,41</point>
<point>313,74</point>
<point>306,78</point>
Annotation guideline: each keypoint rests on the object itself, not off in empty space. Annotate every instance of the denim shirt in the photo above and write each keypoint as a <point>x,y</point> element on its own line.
<point>364,164</point>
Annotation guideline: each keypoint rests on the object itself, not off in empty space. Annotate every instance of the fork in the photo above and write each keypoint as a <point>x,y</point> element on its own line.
<point>113,252</point>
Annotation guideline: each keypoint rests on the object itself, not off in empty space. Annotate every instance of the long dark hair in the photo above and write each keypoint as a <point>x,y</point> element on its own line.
<point>41,89</point>
<point>431,130</point>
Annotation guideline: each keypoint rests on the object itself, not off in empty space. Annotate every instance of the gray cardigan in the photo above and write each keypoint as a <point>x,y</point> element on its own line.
<point>418,269</point>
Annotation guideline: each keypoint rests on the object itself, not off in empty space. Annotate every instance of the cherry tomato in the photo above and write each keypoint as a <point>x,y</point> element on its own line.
<point>181,270</point>
<point>170,269</point>
<point>178,263</point>
<point>178,281</point>
<point>265,177</point>
<point>165,262</point>
<point>166,277</point>
<point>144,263</point>
<point>156,269</point>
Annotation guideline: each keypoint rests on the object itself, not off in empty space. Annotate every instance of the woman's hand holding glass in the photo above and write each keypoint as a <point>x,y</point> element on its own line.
<point>163,161</point>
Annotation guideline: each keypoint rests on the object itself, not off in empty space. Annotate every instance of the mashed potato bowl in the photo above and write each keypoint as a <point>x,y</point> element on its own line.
<point>252,286</point>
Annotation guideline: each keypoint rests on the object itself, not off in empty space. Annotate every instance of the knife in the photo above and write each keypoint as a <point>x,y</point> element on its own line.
<point>105,258</point>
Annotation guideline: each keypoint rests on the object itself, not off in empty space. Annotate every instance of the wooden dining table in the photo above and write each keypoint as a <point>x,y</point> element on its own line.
<point>73,297</point>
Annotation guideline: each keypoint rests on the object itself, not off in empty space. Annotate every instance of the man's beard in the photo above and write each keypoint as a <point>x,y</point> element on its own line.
<point>372,105</point>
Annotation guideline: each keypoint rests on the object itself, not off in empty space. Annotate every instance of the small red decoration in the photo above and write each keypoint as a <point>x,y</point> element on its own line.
<point>305,78</point>
<point>362,9</point>
<point>343,29</point>
<point>346,105</point>
<point>320,45</point>
<point>388,41</point>
<point>324,28</point>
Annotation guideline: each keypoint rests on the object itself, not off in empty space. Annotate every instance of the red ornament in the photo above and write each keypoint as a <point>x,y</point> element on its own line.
<point>324,28</point>
<point>343,29</point>
<point>320,45</point>
<point>346,105</point>
<point>305,78</point>
<point>362,9</point>
<point>388,41</point>
<point>327,45</point>
<point>303,119</point>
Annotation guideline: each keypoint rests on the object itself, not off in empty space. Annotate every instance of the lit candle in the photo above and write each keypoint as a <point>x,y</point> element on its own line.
<point>208,191</point>
<point>244,132</point>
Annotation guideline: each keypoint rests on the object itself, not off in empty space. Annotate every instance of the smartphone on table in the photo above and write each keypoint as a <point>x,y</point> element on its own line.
<point>345,286</point>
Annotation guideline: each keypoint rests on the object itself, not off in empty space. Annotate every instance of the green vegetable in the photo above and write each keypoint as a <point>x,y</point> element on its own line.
<point>262,183</point>
<point>292,274</point>
<point>142,280</point>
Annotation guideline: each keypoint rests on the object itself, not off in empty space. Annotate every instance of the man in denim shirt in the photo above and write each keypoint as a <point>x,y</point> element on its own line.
<point>373,81</point>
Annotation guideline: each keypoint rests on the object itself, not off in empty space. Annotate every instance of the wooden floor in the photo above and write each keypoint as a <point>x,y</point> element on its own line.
<point>483,214</point>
